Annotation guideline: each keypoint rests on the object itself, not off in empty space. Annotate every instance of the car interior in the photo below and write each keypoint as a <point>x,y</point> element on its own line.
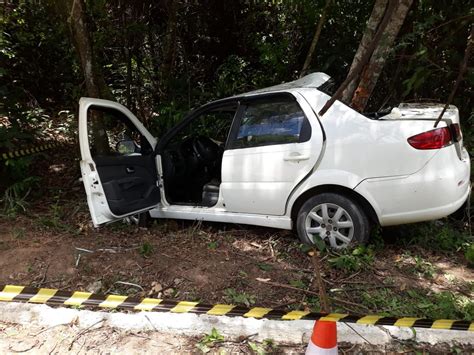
<point>192,158</point>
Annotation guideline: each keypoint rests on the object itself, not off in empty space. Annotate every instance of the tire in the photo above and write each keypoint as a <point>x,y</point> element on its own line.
<point>336,219</point>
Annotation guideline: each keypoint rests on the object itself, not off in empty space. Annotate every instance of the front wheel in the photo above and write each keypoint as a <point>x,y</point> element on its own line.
<point>334,218</point>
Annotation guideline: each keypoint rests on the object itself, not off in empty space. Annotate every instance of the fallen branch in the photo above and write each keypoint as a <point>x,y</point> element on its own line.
<point>82,332</point>
<point>338,300</point>
<point>129,284</point>
<point>372,287</point>
<point>323,297</point>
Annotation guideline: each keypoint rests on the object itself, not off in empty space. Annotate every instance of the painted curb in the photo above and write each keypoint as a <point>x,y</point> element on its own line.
<point>233,328</point>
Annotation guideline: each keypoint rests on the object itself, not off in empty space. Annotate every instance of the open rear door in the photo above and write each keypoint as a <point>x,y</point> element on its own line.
<point>118,162</point>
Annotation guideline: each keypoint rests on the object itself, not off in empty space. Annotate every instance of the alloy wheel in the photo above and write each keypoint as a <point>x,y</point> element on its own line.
<point>331,223</point>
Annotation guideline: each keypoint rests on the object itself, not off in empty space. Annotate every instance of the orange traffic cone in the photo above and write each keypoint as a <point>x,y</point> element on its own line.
<point>324,339</point>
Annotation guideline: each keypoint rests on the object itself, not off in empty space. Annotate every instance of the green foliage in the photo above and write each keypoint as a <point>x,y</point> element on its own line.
<point>146,249</point>
<point>417,303</point>
<point>236,297</point>
<point>298,283</point>
<point>469,254</point>
<point>209,340</point>
<point>437,236</point>
<point>424,268</point>
<point>213,245</point>
<point>35,57</point>
<point>354,260</point>
<point>55,219</point>
<point>264,267</point>
<point>217,51</point>
<point>14,197</point>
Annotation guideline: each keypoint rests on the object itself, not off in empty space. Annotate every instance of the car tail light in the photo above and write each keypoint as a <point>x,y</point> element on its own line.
<point>456,132</point>
<point>434,139</point>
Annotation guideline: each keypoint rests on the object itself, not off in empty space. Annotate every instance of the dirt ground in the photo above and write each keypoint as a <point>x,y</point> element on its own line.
<point>54,245</point>
<point>99,339</point>
<point>102,340</point>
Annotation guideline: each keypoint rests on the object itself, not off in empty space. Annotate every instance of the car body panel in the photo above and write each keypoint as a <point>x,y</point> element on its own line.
<point>435,191</point>
<point>260,179</point>
<point>96,199</point>
<point>370,157</point>
<point>220,214</point>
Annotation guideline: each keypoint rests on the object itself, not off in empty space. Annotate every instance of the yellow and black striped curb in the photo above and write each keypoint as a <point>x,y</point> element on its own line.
<point>12,293</point>
<point>27,151</point>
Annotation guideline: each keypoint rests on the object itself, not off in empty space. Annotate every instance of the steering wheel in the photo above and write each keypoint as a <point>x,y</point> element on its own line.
<point>205,149</point>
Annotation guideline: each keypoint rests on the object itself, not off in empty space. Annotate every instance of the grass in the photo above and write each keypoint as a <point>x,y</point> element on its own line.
<point>235,297</point>
<point>56,218</point>
<point>14,199</point>
<point>353,260</point>
<point>146,249</point>
<point>469,255</point>
<point>418,245</point>
<point>419,303</point>
<point>443,236</point>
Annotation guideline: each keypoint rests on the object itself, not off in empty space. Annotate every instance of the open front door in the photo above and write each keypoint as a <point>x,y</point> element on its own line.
<point>118,163</point>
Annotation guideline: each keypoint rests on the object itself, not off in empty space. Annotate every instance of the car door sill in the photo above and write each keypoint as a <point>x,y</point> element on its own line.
<point>211,214</point>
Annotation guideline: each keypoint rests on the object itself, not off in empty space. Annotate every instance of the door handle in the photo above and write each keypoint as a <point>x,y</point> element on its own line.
<point>296,157</point>
<point>130,170</point>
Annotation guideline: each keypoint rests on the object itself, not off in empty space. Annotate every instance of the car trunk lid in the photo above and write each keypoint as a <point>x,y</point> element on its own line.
<point>431,112</point>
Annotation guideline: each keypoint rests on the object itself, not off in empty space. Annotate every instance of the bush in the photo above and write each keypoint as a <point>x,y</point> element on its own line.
<point>469,254</point>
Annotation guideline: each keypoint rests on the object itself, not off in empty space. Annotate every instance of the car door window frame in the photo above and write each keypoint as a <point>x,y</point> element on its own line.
<point>170,134</point>
<point>120,116</point>
<point>305,132</point>
<point>85,149</point>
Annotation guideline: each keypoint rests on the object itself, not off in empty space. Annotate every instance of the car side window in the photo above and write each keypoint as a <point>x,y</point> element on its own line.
<point>213,124</point>
<point>271,122</point>
<point>111,133</point>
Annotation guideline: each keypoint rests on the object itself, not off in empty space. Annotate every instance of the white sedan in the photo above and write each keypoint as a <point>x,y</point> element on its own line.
<point>267,158</point>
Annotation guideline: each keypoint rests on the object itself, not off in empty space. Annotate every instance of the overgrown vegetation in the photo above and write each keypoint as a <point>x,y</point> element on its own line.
<point>163,58</point>
<point>417,303</point>
<point>353,260</point>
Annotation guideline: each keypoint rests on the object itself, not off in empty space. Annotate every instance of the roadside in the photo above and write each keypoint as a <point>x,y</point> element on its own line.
<point>417,270</point>
<point>42,329</point>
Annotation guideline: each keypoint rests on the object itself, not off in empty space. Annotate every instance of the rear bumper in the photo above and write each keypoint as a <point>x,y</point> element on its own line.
<point>437,190</point>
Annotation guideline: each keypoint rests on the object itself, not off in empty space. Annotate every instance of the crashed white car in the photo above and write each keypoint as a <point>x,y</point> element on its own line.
<point>267,158</point>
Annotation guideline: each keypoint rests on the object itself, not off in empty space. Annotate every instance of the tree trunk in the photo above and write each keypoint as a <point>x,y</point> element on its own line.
<point>75,12</point>
<point>374,67</point>
<point>373,24</point>
<point>364,59</point>
<point>169,55</point>
<point>315,40</point>
<point>80,34</point>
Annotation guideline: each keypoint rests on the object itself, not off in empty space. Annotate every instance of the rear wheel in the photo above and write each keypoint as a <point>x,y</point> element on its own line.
<point>334,218</point>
